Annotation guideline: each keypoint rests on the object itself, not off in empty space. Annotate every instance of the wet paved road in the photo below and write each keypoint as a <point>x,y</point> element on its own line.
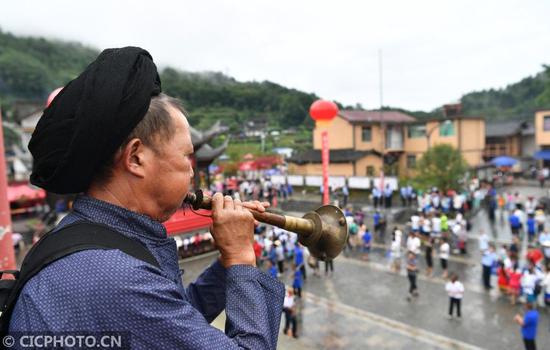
<point>363,305</point>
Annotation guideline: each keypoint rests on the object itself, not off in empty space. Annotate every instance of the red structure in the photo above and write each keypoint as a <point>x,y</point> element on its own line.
<point>323,112</point>
<point>184,221</point>
<point>191,230</point>
<point>260,163</point>
<point>7,256</point>
<point>24,198</point>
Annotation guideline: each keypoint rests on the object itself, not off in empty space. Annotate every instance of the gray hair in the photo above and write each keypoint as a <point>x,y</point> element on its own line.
<point>155,128</point>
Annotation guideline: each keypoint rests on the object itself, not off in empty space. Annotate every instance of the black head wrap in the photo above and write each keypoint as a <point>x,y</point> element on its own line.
<point>91,117</point>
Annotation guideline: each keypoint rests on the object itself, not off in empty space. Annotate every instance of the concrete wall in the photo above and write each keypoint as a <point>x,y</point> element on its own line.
<point>344,169</point>
<point>370,160</point>
<point>542,137</point>
<point>403,170</point>
<point>415,145</point>
<point>472,140</point>
<point>340,135</point>
<point>469,138</point>
<point>344,135</point>
<point>377,138</point>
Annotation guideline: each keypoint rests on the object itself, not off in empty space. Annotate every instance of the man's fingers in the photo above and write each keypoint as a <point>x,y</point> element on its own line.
<point>228,203</point>
<point>254,205</point>
<point>238,204</point>
<point>217,203</point>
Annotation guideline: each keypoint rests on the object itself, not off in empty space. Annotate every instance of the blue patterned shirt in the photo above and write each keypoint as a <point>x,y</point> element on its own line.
<point>110,291</point>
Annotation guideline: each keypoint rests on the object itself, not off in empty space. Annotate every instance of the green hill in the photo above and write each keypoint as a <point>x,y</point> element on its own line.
<point>515,101</point>
<point>30,68</point>
<point>210,96</point>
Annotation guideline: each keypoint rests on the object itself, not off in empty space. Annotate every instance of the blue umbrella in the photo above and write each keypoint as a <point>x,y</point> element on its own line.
<point>270,172</point>
<point>543,154</point>
<point>504,161</point>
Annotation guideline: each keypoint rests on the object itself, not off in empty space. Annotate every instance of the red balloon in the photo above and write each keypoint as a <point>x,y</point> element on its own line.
<point>52,96</point>
<point>323,110</point>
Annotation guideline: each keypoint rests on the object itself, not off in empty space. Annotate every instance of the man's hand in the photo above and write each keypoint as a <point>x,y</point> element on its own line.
<point>257,206</point>
<point>233,231</point>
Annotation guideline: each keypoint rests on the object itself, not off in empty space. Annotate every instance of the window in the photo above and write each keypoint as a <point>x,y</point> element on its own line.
<point>446,128</point>
<point>416,131</point>
<point>411,161</point>
<point>366,134</point>
<point>370,170</point>
<point>546,124</point>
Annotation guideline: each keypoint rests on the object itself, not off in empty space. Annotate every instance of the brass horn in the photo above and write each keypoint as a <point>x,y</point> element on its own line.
<point>324,231</point>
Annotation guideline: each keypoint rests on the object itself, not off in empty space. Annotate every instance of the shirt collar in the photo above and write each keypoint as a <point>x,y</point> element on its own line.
<point>119,218</point>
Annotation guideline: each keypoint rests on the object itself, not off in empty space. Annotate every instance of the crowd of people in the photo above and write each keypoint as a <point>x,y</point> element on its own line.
<point>438,228</point>
<point>261,189</point>
<point>278,251</point>
<point>441,226</point>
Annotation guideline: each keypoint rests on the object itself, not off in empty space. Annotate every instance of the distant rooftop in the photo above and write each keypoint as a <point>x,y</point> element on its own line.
<point>359,117</point>
<point>336,156</point>
<point>508,128</point>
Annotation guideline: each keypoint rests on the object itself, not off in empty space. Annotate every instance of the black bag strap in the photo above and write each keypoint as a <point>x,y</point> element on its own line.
<point>65,241</point>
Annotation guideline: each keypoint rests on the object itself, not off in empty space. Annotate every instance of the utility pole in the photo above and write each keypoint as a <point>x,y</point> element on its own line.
<point>382,123</point>
<point>380,78</point>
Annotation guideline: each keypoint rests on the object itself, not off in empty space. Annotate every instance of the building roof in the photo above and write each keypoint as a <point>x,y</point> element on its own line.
<point>529,130</point>
<point>360,117</point>
<point>508,128</point>
<point>454,117</point>
<point>336,156</point>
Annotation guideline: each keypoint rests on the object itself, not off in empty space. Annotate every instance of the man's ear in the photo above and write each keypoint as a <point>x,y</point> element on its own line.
<point>133,157</point>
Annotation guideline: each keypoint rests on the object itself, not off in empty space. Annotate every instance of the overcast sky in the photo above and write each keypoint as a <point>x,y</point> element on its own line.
<point>433,51</point>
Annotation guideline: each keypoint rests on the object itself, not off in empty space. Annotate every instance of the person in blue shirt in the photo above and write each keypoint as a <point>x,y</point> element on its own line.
<point>299,259</point>
<point>376,196</point>
<point>289,189</point>
<point>376,217</point>
<point>528,323</point>
<point>515,224</point>
<point>345,195</point>
<point>404,195</point>
<point>367,238</point>
<point>347,211</point>
<point>376,220</point>
<point>272,255</point>
<point>272,269</point>
<point>113,137</point>
<point>492,208</point>
<point>531,227</point>
<point>388,193</point>
<point>487,261</point>
<point>297,283</point>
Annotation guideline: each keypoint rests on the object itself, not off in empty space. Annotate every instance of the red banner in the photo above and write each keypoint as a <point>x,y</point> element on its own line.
<point>326,160</point>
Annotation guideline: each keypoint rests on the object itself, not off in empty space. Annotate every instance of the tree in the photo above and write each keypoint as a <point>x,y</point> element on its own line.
<point>441,166</point>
